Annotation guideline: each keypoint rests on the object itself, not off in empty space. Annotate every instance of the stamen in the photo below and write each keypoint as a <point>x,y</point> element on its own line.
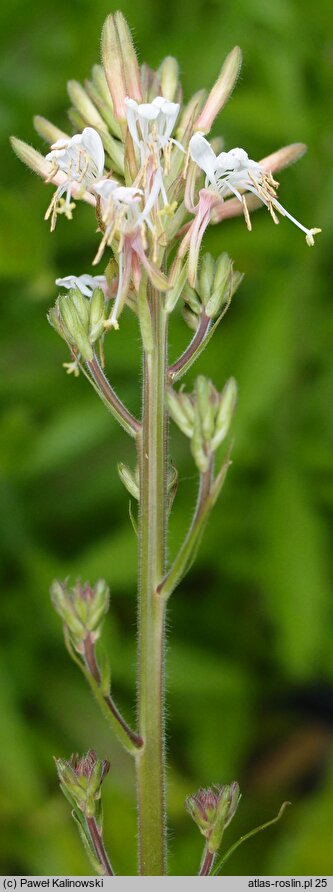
<point>246,214</point>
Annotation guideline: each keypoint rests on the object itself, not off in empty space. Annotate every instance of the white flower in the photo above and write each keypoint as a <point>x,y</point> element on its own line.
<point>124,216</point>
<point>151,123</point>
<point>232,173</point>
<point>86,283</point>
<point>81,159</point>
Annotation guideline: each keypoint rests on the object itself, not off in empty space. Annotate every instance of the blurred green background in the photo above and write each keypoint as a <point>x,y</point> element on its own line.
<point>250,662</point>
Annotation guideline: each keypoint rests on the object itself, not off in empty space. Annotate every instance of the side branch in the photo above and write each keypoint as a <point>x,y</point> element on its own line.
<point>99,380</point>
<point>92,666</point>
<point>98,846</point>
<point>131,741</point>
<point>187,552</point>
<point>195,347</point>
<point>206,863</point>
<point>209,491</point>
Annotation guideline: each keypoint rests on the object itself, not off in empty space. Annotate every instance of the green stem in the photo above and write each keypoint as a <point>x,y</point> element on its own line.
<point>152,449</point>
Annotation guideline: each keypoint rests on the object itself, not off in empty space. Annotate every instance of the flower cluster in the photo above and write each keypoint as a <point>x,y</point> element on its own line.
<point>81,780</point>
<point>143,162</point>
<point>212,810</point>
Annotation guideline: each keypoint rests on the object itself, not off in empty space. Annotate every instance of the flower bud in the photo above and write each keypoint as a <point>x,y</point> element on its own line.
<point>103,105</point>
<point>48,131</point>
<point>189,114</point>
<point>120,63</point>
<point>225,412</point>
<point>169,77</point>
<point>130,479</point>
<point>81,780</point>
<point>82,102</point>
<point>212,810</point>
<point>81,608</point>
<point>221,91</point>
<point>97,315</point>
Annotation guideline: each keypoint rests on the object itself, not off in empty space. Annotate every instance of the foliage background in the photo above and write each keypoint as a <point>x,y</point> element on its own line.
<point>250,665</point>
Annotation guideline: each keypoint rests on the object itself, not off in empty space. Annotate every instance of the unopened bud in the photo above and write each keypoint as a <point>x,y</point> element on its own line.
<point>104,107</point>
<point>120,63</point>
<point>221,91</point>
<point>130,479</point>
<point>189,115</point>
<point>225,412</point>
<point>86,108</point>
<point>48,131</point>
<point>82,779</point>
<point>169,76</point>
<point>212,810</point>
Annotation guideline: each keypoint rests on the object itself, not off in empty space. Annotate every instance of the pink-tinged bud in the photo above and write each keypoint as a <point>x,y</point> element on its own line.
<point>120,63</point>
<point>283,157</point>
<point>221,91</point>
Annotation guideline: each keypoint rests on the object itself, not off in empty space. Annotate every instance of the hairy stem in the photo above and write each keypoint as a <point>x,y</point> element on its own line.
<point>97,840</point>
<point>108,395</point>
<point>207,862</point>
<point>152,449</point>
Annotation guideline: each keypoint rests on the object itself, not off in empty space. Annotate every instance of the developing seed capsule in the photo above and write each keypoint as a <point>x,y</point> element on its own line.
<point>227,403</point>
<point>181,411</point>
<point>206,405</point>
<point>220,291</point>
<point>97,315</point>
<point>206,277</point>
<point>75,330</point>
